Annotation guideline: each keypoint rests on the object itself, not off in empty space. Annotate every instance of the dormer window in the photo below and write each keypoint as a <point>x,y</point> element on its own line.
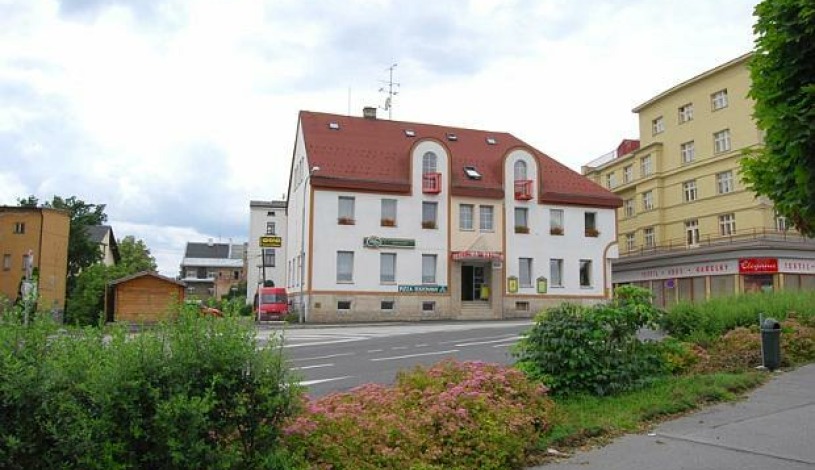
<point>452,137</point>
<point>410,133</point>
<point>472,173</point>
<point>334,126</point>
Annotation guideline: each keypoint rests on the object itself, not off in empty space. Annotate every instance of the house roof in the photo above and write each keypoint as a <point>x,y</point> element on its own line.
<point>214,250</point>
<point>374,155</point>
<point>97,234</point>
<point>147,273</point>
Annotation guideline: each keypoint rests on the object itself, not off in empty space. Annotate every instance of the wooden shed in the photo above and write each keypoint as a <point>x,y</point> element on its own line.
<point>144,297</point>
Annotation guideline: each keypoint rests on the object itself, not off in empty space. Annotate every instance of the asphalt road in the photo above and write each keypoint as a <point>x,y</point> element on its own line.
<point>333,359</point>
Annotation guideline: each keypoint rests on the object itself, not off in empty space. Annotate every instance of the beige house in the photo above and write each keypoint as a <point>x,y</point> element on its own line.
<point>689,229</point>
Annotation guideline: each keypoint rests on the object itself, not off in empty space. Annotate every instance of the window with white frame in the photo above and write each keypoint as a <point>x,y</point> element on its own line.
<point>689,192</point>
<point>611,180</point>
<point>718,100</point>
<point>556,272</point>
<point>692,232</point>
<point>628,174</point>
<point>270,228</point>
<point>628,207</point>
<point>428,269</point>
<point>685,113</point>
<point>465,216</point>
<point>724,182</point>
<point>781,223</point>
<point>345,266</point>
<point>630,241</point>
<point>727,224</point>
<point>387,268</point>
<point>520,170</point>
<point>429,214</point>
<point>646,166</point>
<point>556,219</point>
<point>657,126</point>
<point>721,141</point>
<point>525,272</point>
<point>429,162</point>
<point>649,237</point>
<point>648,200</point>
<point>388,213</point>
<point>268,257</point>
<point>486,219</point>
<point>688,152</point>
<point>345,210</point>
<point>585,273</point>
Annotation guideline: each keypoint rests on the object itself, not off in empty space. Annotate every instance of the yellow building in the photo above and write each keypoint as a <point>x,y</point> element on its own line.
<point>41,233</point>
<point>689,229</point>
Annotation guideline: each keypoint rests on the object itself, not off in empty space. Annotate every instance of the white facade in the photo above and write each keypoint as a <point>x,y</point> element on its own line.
<point>266,218</point>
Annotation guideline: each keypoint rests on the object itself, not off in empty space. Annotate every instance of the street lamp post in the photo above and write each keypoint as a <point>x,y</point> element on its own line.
<point>304,303</point>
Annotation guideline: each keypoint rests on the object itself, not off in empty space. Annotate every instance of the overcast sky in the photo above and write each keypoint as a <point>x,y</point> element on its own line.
<point>177,113</point>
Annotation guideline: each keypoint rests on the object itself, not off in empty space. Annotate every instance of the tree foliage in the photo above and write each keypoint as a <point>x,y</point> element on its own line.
<point>135,256</point>
<point>783,87</point>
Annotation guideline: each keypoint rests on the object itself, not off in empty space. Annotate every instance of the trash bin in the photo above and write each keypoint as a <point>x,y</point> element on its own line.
<point>771,343</point>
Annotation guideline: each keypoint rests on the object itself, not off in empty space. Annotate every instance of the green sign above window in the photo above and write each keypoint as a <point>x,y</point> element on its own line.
<point>379,242</point>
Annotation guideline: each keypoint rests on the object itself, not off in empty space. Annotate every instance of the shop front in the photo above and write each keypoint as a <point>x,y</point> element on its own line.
<point>475,283</point>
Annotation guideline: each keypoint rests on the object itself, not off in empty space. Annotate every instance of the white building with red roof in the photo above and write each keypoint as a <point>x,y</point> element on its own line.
<point>410,221</point>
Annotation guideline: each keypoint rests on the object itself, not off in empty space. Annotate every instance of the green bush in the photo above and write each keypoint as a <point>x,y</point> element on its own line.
<point>450,416</point>
<point>195,393</point>
<point>594,350</point>
<point>720,315</point>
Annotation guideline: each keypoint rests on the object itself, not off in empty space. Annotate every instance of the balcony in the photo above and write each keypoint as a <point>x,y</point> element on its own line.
<point>523,190</point>
<point>431,183</point>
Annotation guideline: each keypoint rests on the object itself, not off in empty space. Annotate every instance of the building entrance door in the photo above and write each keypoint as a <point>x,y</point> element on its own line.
<point>473,278</point>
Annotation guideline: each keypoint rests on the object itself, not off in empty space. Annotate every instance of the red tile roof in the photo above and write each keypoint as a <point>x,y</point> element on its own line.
<point>374,155</point>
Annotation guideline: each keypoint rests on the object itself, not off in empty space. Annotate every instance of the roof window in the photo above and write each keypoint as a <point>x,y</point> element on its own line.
<point>452,137</point>
<point>410,133</point>
<point>334,125</point>
<point>491,141</point>
<point>472,173</point>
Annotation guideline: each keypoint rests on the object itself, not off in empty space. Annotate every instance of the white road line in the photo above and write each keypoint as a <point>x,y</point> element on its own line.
<point>320,343</point>
<point>315,366</point>
<point>374,350</point>
<point>421,345</point>
<point>329,356</point>
<point>476,343</point>
<point>398,348</point>
<point>474,339</point>
<point>393,358</point>
<point>502,345</point>
<point>332,379</point>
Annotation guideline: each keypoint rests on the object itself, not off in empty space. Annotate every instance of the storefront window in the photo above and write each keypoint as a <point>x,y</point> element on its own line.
<point>722,286</point>
<point>758,283</point>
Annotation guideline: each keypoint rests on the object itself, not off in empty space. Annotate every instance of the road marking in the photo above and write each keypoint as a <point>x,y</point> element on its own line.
<point>421,345</point>
<point>332,379</point>
<point>315,366</point>
<point>393,358</point>
<point>374,350</point>
<point>474,339</point>
<point>476,343</point>
<point>329,356</point>
<point>398,348</point>
<point>321,343</point>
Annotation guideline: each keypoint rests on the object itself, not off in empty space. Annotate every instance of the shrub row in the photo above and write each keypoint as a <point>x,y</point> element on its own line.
<point>454,415</point>
<point>197,393</point>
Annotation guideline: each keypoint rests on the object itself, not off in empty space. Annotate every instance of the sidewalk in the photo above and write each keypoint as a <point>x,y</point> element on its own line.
<point>773,429</point>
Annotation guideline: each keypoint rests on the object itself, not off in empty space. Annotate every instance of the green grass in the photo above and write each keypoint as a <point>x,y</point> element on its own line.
<point>581,420</point>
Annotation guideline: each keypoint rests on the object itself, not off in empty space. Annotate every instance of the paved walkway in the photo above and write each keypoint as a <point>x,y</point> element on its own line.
<point>774,429</point>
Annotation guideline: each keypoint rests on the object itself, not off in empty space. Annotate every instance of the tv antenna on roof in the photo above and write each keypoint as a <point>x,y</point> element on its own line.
<point>389,91</point>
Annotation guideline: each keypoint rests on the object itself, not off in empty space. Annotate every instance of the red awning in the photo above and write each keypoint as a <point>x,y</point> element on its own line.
<point>477,255</point>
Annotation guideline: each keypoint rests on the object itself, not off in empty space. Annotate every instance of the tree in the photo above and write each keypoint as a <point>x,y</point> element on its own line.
<point>783,87</point>
<point>134,256</point>
<point>82,252</point>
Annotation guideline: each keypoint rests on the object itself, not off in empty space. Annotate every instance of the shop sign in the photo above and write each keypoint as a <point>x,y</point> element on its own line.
<point>512,284</point>
<point>473,254</point>
<point>712,268</point>
<point>796,266</point>
<point>758,265</point>
<point>424,289</point>
<point>542,285</point>
<point>379,242</point>
<point>270,241</point>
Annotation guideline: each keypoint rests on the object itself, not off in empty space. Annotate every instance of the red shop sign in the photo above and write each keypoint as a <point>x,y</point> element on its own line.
<point>758,265</point>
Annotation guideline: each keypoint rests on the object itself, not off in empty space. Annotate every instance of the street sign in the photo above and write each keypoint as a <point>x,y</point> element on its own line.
<point>271,241</point>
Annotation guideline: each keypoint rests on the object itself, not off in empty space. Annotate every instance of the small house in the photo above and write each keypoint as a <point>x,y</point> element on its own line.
<point>144,297</point>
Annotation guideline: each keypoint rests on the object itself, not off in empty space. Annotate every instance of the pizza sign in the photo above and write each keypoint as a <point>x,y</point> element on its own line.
<point>758,265</point>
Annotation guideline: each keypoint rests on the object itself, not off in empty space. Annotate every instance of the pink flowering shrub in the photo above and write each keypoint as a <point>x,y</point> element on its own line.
<point>453,415</point>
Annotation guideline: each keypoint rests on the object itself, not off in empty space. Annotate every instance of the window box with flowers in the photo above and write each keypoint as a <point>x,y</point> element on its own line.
<point>428,224</point>
<point>388,223</point>
<point>345,221</point>
<point>521,229</point>
<point>556,231</point>
<point>592,232</point>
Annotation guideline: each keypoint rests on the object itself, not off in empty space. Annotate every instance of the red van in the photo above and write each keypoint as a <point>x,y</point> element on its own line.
<point>272,303</point>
